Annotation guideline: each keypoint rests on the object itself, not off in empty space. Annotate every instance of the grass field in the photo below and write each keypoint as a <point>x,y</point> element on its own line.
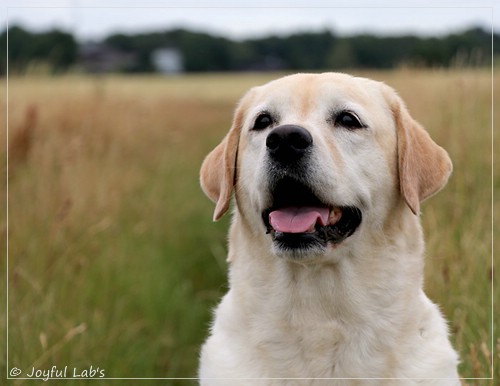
<point>113,261</point>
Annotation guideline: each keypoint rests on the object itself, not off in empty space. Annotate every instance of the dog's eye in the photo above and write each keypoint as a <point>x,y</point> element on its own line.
<point>348,120</point>
<point>263,121</point>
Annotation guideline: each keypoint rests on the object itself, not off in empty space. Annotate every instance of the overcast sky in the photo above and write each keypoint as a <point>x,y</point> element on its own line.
<point>94,19</point>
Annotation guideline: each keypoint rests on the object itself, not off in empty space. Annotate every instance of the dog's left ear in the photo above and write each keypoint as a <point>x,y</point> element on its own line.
<point>218,171</point>
<point>424,166</point>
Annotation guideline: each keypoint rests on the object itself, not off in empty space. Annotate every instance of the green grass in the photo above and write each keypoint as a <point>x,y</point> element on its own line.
<point>113,259</point>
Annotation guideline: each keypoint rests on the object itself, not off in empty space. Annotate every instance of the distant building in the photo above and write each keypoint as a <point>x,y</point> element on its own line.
<point>99,58</point>
<point>265,63</point>
<point>168,61</point>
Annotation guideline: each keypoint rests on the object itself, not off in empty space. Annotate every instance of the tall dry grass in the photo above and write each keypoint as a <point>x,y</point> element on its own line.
<point>113,259</point>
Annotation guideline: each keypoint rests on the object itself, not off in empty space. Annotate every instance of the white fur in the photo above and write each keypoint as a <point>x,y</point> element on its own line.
<point>356,315</point>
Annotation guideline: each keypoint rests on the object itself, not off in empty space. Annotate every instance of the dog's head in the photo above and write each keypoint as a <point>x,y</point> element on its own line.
<point>313,158</point>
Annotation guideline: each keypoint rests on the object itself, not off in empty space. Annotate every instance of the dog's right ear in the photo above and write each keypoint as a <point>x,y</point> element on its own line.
<point>424,167</point>
<point>218,171</point>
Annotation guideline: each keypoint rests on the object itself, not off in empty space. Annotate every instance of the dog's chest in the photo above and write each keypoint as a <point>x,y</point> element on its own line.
<point>304,323</point>
<point>318,350</point>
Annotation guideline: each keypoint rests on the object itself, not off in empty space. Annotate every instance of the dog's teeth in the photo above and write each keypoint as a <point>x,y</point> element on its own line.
<point>335,215</point>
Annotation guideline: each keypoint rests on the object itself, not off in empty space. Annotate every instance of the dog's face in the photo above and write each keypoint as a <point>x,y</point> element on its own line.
<point>313,158</point>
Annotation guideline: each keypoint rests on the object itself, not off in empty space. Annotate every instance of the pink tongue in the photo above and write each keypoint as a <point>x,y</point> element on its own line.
<point>298,219</point>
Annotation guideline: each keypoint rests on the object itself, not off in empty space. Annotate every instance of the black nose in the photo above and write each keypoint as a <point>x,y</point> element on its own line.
<point>288,143</point>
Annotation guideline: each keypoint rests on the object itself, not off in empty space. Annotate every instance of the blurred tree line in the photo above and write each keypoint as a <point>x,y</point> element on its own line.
<point>203,52</point>
<point>55,48</point>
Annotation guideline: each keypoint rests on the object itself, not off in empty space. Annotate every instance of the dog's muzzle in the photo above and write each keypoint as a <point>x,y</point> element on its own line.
<point>297,219</point>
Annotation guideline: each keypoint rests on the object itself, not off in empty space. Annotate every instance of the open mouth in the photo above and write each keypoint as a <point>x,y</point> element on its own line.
<point>299,221</point>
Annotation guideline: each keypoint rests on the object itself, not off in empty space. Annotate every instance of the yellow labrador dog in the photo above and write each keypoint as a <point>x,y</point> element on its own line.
<point>326,247</point>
